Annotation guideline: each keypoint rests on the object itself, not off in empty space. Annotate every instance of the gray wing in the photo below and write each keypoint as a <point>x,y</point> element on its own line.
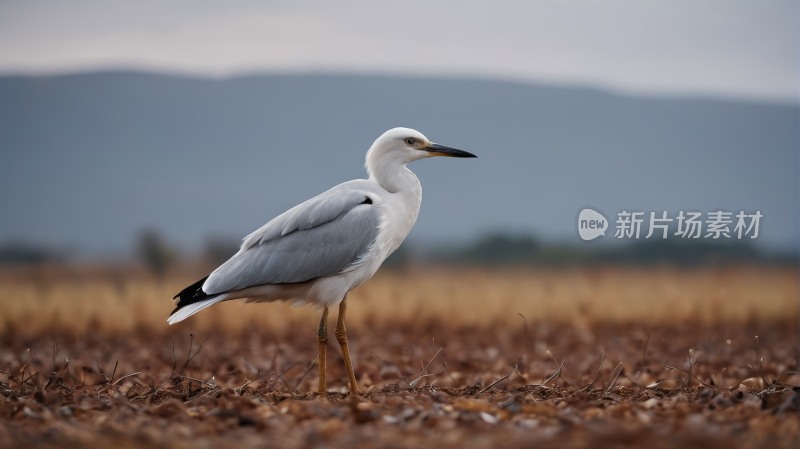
<point>317,238</point>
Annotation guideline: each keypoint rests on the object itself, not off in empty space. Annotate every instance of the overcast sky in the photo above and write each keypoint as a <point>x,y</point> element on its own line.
<point>721,48</point>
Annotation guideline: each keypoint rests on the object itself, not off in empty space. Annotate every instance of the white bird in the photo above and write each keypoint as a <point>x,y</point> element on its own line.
<point>318,251</point>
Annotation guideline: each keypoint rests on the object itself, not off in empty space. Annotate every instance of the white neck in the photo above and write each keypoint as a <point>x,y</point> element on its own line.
<point>391,173</point>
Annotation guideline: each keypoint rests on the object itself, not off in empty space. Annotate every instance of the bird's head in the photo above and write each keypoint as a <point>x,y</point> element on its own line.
<point>399,146</point>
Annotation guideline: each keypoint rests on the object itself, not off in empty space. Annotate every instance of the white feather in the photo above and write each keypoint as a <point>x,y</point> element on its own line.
<point>191,309</point>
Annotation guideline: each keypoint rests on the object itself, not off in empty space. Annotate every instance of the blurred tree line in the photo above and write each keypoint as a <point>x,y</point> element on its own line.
<point>155,252</point>
<point>505,249</point>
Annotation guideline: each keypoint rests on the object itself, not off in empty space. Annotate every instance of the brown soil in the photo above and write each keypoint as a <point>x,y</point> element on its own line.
<point>219,400</point>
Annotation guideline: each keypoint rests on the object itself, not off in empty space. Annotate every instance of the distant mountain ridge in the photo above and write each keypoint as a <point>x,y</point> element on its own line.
<point>88,160</point>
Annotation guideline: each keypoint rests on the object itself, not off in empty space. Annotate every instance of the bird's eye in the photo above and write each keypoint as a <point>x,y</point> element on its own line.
<point>411,141</point>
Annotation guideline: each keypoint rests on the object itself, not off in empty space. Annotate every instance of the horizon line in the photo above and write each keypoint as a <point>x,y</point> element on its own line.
<point>658,94</point>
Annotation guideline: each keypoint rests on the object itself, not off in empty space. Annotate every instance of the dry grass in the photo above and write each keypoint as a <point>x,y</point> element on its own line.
<point>41,300</point>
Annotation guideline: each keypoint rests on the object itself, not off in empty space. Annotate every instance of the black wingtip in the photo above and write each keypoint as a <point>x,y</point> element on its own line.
<point>190,295</point>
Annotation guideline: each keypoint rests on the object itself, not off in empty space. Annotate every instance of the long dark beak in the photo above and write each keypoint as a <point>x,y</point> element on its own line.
<point>440,150</point>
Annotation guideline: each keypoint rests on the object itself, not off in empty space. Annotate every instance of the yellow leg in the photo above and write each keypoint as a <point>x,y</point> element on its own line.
<point>341,336</point>
<point>322,338</point>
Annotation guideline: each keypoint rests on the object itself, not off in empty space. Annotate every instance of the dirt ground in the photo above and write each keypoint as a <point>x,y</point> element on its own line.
<point>218,399</point>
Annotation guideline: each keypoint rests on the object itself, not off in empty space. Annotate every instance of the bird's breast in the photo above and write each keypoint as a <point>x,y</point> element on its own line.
<point>402,210</point>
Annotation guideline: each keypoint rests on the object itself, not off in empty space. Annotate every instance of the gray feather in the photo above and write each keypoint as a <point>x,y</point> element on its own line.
<point>314,212</point>
<point>317,238</point>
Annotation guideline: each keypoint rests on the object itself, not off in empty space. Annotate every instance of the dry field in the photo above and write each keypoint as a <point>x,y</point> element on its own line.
<point>617,332</point>
<point>111,301</point>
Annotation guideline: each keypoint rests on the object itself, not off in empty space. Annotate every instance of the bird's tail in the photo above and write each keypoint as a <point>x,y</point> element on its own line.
<point>193,299</point>
<point>182,312</point>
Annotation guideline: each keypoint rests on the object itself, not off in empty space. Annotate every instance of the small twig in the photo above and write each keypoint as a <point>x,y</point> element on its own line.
<point>424,368</point>
<point>502,378</point>
<point>191,343</point>
<point>690,375</point>
<point>32,377</point>
<point>272,376</point>
<point>189,359</point>
<point>275,363</point>
<point>692,366</point>
<point>174,365</point>
<point>280,376</point>
<point>559,369</point>
<point>635,383</point>
<point>70,373</point>
<point>201,395</point>
<point>247,382</point>
<point>111,381</point>
<point>197,380</point>
<point>614,376</point>
<point>251,366</point>
<point>414,382</point>
<point>22,370</point>
<point>589,385</point>
<point>761,371</point>
<point>11,377</point>
<point>759,362</point>
<point>66,359</point>
<point>100,370</point>
<point>381,362</point>
<point>755,372</point>
<point>306,373</point>
<point>544,384</point>
<point>654,385</point>
<point>125,377</point>
<point>445,365</point>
